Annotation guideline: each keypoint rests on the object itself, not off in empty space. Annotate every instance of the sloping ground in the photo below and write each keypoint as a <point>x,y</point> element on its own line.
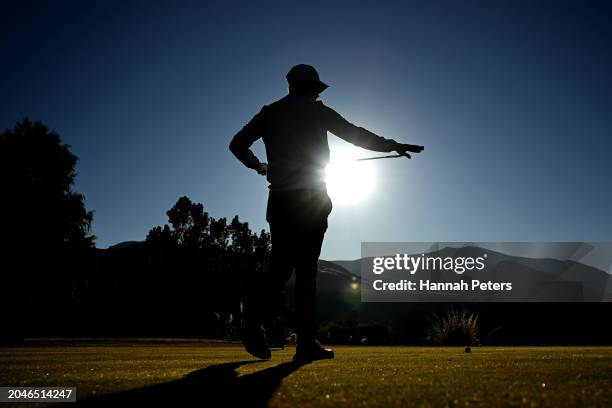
<point>141,373</point>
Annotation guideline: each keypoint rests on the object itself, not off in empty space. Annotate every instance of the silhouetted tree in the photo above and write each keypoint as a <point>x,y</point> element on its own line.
<point>39,207</point>
<point>243,239</point>
<point>190,223</point>
<point>214,260</point>
<point>263,244</point>
<point>44,223</point>
<point>192,228</point>
<point>161,238</point>
<point>219,236</point>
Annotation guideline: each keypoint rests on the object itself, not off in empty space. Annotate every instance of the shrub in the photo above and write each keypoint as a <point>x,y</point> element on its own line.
<point>458,327</point>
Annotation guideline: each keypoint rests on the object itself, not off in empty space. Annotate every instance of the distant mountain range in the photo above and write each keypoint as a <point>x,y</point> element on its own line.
<point>126,244</point>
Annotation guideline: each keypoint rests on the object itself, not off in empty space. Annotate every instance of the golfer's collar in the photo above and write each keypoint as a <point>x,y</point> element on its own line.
<point>297,96</point>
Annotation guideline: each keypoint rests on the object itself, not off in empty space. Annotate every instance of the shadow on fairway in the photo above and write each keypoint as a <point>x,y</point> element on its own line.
<point>217,384</point>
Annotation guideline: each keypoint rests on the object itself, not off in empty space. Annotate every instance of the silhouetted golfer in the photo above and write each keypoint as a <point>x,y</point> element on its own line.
<point>294,131</point>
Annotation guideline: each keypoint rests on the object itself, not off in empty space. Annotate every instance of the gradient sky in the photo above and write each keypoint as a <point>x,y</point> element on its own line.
<point>512,99</point>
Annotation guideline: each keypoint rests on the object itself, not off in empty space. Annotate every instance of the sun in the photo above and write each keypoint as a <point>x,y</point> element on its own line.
<point>349,181</point>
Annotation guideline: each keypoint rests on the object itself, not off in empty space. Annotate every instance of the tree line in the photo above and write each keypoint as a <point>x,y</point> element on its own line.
<point>186,278</point>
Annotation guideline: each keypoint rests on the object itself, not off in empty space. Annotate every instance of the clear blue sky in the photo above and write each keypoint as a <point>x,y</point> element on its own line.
<point>512,99</point>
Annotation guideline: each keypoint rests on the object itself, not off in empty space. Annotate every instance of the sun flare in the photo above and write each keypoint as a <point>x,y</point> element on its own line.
<point>349,181</point>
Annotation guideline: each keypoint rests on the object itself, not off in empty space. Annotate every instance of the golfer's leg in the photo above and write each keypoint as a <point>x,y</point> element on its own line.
<point>282,264</point>
<point>306,284</point>
<point>263,295</point>
<point>267,288</point>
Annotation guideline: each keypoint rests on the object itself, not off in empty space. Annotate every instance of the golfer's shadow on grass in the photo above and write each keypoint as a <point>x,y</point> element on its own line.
<point>217,384</point>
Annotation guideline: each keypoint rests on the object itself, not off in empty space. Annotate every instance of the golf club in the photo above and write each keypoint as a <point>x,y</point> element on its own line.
<point>411,148</point>
<point>392,156</point>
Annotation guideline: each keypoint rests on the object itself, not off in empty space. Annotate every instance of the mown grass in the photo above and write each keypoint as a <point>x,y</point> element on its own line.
<point>359,376</point>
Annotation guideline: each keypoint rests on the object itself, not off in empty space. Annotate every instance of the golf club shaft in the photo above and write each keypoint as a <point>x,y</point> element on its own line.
<point>392,156</point>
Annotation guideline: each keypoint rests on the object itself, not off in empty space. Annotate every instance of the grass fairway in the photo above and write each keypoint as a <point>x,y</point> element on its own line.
<point>152,372</point>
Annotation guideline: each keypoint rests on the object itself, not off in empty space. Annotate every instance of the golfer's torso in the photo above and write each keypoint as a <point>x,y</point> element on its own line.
<point>296,144</point>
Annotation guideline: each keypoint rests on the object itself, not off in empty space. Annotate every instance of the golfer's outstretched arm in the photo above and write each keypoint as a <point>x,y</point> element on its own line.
<point>356,135</point>
<point>241,144</point>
